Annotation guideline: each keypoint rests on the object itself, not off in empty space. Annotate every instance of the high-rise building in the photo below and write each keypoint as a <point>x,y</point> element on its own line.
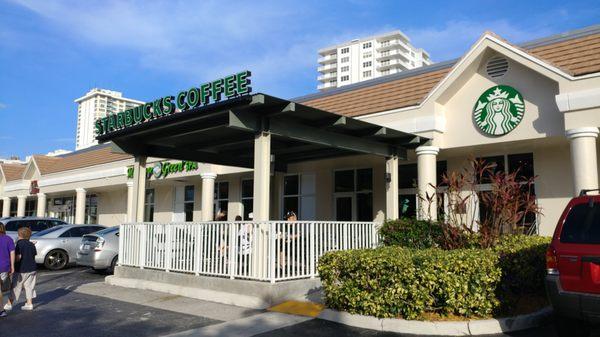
<point>367,58</point>
<point>95,104</point>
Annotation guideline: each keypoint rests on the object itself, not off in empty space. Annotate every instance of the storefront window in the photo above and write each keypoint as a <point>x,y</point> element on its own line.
<point>523,163</point>
<point>221,197</point>
<point>91,209</point>
<point>13,207</point>
<point>247,197</point>
<point>407,185</point>
<point>291,194</point>
<point>63,208</point>
<point>353,194</point>
<point>149,205</point>
<point>188,203</point>
<point>30,207</point>
<point>495,163</point>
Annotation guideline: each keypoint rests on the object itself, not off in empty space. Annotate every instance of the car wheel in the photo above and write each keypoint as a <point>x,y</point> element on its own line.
<point>571,327</point>
<point>113,264</point>
<point>56,259</point>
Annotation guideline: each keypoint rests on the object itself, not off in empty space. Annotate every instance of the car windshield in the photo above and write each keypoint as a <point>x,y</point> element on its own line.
<point>108,230</point>
<point>46,231</point>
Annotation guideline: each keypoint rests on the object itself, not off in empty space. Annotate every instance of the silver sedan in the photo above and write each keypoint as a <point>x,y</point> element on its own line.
<point>57,246</point>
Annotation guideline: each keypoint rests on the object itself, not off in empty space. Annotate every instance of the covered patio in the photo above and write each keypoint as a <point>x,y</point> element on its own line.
<point>266,134</point>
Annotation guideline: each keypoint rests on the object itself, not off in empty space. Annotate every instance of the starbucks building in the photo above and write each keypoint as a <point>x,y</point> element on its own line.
<point>362,152</point>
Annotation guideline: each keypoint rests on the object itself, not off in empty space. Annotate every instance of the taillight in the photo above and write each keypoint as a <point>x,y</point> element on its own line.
<point>99,244</point>
<point>551,261</point>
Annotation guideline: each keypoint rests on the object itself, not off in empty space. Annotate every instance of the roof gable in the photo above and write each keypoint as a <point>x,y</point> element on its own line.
<point>13,172</point>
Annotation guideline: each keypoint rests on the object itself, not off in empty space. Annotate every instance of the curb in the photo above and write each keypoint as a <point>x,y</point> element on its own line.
<point>460,328</point>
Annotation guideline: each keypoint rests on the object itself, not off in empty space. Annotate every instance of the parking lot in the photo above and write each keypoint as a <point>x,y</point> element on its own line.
<point>76,302</point>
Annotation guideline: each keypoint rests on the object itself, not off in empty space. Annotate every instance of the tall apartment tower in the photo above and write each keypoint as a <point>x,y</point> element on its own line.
<point>95,104</point>
<point>367,58</point>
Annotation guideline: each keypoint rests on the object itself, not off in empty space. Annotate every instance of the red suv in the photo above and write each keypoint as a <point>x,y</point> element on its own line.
<point>573,266</point>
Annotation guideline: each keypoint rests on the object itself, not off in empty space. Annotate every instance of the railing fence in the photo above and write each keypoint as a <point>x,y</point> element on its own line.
<point>265,251</point>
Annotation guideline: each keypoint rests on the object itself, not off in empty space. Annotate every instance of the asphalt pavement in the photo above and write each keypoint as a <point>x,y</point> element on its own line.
<point>77,302</point>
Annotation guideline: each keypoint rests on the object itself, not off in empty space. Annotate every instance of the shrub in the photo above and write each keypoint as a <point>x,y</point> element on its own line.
<point>412,233</point>
<point>523,264</point>
<point>395,281</point>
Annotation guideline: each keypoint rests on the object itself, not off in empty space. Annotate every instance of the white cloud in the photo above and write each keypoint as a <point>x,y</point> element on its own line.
<point>2,106</point>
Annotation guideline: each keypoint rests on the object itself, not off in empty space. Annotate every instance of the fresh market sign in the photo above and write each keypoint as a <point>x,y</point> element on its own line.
<point>163,169</point>
<point>210,92</point>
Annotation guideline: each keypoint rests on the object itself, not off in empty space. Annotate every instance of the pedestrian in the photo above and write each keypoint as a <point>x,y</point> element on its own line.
<point>7,263</point>
<point>25,270</point>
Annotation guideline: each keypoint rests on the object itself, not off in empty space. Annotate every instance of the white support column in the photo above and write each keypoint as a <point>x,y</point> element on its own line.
<point>41,204</point>
<point>426,166</point>
<point>208,196</point>
<point>80,206</point>
<point>262,176</point>
<point>583,158</point>
<point>129,217</point>
<point>21,200</point>
<point>6,207</point>
<point>391,188</point>
<point>139,189</point>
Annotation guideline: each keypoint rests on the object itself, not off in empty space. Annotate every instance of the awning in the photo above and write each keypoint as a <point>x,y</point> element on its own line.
<point>223,133</point>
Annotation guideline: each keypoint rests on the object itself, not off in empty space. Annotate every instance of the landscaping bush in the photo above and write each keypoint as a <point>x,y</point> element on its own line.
<point>412,233</point>
<point>403,282</point>
<point>400,282</point>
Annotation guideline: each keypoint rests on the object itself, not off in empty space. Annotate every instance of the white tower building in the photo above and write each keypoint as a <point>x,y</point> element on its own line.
<point>367,58</point>
<point>95,104</point>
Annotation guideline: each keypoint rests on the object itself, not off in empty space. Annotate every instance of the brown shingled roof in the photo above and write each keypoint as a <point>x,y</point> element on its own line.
<point>76,160</point>
<point>577,56</point>
<point>13,171</point>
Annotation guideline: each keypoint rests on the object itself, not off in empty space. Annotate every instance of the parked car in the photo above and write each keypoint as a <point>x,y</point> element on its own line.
<point>36,224</point>
<point>573,267</point>
<point>100,250</point>
<point>57,246</point>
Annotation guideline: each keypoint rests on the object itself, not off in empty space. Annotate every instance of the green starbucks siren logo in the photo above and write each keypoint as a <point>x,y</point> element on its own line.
<point>499,110</point>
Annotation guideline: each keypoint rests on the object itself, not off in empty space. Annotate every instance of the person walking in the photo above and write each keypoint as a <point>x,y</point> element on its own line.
<point>25,270</point>
<point>7,263</point>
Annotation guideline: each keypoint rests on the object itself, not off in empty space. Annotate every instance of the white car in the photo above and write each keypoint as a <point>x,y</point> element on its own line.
<point>57,246</point>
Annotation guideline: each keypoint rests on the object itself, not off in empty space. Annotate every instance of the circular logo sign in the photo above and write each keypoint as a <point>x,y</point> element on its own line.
<point>499,110</point>
<point>157,170</point>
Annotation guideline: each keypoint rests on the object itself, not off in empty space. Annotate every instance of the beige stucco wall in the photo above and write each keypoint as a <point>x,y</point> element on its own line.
<point>112,207</point>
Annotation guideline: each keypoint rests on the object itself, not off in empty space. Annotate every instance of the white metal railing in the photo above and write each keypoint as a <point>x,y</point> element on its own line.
<point>265,251</point>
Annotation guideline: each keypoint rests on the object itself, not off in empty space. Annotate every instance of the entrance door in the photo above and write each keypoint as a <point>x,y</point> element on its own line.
<point>343,207</point>
<point>178,204</point>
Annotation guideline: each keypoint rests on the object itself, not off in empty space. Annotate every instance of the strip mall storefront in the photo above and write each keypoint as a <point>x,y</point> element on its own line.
<point>536,107</point>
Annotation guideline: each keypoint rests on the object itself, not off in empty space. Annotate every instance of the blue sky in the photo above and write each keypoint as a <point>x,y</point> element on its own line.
<point>52,52</point>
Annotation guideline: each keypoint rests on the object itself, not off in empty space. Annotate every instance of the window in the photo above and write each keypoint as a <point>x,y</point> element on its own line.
<point>385,72</point>
<point>367,55</point>
<point>367,45</point>
<point>582,225</point>
<point>345,68</point>
<point>13,207</point>
<point>91,208</point>
<point>221,197</point>
<point>407,184</point>
<point>367,64</point>
<point>495,163</point>
<point>345,78</point>
<point>149,205</point>
<point>30,207</point>
<point>345,59</point>
<point>188,202</point>
<point>345,50</point>
<point>247,197</point>
<point>291,194</point>
<point>385,53</point>
<point>353,193</point>
<point>367,73</point>
<point>522,164</point>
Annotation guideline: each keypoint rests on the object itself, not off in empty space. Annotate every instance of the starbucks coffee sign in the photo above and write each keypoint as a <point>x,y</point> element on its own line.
<point>499,110</point>
<point>230,86</point>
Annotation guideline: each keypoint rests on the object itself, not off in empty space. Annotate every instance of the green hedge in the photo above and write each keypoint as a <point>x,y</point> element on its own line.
<point>412,233</point>
<point>399,282</point>
<point>403,282</point>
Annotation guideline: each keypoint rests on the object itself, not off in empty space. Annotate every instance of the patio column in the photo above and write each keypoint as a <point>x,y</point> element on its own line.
<point>583,158</point>
<point>139,189</point>
<point>41,204</point>
<point>391,188</point>
<point>80,206</point>
<point>129,216</point>
<point>208,196</point>
<point>21,199</point>
<point>6,207</point>
<point>262,175</point>
<point>426,167</point>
